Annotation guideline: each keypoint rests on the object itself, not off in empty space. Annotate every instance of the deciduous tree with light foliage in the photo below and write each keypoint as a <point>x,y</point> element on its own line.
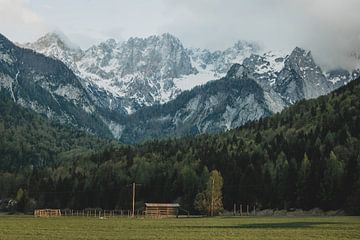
<point>210,200</point>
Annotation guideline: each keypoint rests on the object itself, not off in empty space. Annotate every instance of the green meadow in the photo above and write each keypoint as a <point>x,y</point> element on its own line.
<point>26,227</point>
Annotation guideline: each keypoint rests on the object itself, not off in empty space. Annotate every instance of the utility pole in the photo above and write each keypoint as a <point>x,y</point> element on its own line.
<point>133,197</point>
<point>212,196</point>
<point>133,200</point>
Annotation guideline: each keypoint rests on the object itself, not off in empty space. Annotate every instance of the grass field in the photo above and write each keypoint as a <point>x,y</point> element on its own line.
<point>16,227</point>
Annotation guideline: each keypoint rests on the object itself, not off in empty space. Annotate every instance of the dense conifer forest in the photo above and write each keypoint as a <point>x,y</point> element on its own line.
<point>304,157</point>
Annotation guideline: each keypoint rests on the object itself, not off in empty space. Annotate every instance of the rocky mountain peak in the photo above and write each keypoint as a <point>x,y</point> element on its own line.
<point>56,45</point>
<point>163,56</point>
<point>242,45</point>
<point>170,38</point>
<point>302,62</point>
<point>159,40</point>
<point>238,71</point>
<point>301,77</point>
<point>300,51</point>
<point>54,39</point>
<point>109,44</point>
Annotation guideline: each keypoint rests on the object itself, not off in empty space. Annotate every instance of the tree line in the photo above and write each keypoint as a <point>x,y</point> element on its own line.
<point>304,157</point>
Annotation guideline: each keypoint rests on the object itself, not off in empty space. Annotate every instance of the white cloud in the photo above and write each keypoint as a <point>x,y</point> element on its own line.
<point>333,31</point>
<point>19,22</point>
<point>330,28</point>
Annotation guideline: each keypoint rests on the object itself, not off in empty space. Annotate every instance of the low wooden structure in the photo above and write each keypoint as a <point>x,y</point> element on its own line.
<point>47,213</point>
<point>158,210</point>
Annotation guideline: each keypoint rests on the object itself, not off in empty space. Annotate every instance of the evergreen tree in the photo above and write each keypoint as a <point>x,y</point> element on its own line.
<point>331,182</point>
<point>282,168</point>
<point>304,157</point>
<point>302,187</point>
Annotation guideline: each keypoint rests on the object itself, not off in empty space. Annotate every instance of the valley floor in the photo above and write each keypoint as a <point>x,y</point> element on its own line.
<point>26,227</point>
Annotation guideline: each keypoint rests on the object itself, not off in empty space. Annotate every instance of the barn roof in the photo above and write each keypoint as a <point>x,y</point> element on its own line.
<point>162,205</point>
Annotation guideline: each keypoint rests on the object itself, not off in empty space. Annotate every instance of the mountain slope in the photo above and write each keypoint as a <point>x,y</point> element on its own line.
<point>49,87</point>
<point>217,106</point>
<point>304,157</point>
<point>123,78</point>
<point>262,86</point>
<point>29,139</point>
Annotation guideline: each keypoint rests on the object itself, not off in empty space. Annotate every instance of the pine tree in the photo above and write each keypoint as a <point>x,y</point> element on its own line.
<point>281,169</point>
<point>302,182</point>
<point>331,182</point>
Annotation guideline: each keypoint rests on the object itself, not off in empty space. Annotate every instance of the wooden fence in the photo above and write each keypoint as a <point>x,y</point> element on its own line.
<point>244,210</point>
<point>99,213</point>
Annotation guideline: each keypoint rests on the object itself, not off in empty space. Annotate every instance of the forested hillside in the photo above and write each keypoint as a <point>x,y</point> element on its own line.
<point>307,156</point>
<point>29,142</point>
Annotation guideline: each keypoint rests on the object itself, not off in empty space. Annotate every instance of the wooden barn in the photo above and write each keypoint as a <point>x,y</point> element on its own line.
<point>159,210</point>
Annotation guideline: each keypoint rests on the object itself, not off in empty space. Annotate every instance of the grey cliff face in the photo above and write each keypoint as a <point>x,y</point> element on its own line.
<point>308,76</point>
<point>217,106</point>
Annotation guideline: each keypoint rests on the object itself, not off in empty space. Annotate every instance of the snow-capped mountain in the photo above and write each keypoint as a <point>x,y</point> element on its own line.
<point>144,71</point>
<point>219,62</point>
<point>214,65</point>
<point>149,87</point>
<point>293,77</point>
<point>262,85</point>
<point>154,70</point>
<point>216,106</point>
<point>138,69</point>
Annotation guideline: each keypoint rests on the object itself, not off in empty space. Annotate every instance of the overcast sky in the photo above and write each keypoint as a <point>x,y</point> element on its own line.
<point>330,28</point>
